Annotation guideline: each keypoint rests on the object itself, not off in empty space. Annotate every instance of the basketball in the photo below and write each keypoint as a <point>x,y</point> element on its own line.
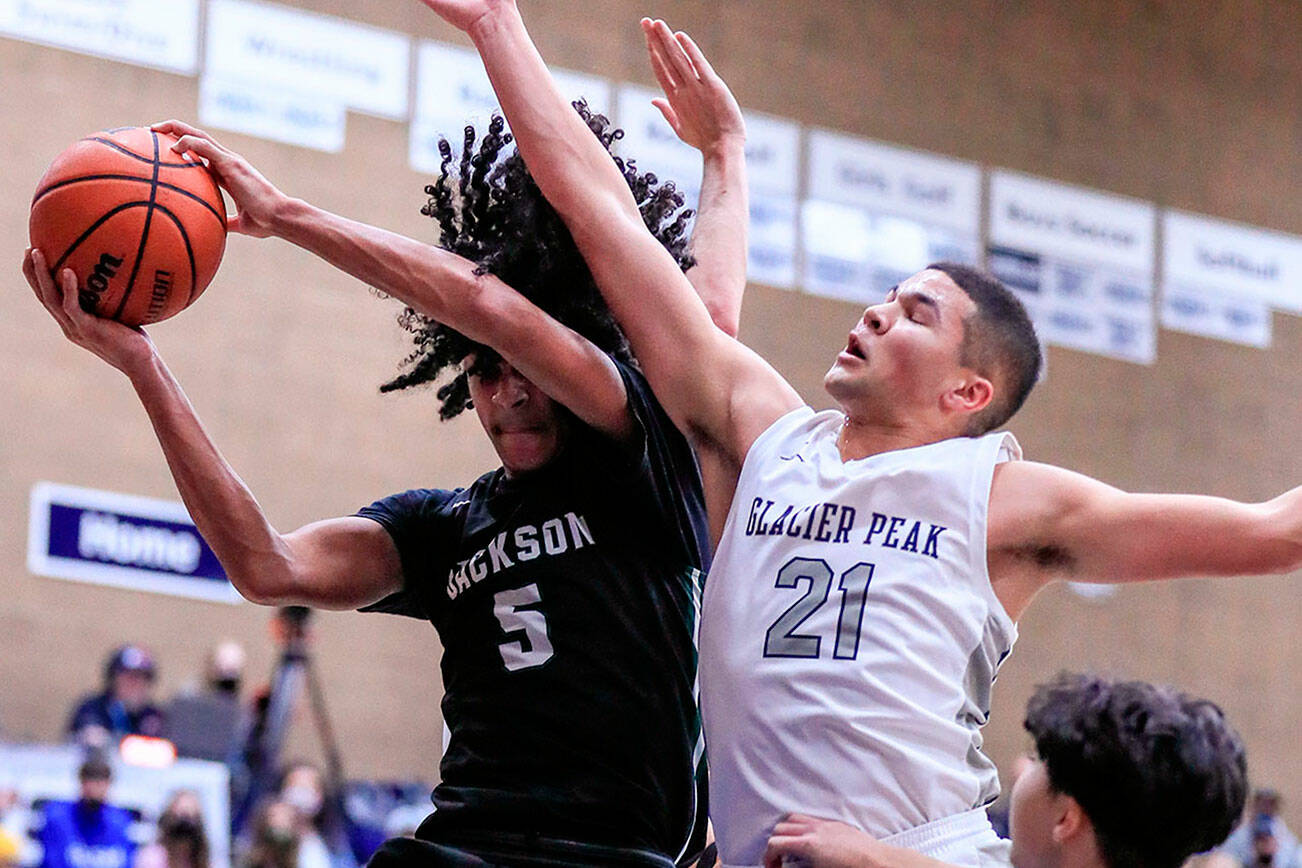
<point>141,227</point>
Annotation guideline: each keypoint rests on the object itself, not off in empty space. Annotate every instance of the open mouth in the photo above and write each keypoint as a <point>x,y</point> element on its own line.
<point>854,348</point>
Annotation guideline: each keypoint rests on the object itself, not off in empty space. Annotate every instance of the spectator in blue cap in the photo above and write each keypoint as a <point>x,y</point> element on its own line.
<point>124,707</point>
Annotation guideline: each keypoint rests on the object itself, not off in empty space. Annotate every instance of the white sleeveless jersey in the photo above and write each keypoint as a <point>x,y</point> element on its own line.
<point>850,636</point>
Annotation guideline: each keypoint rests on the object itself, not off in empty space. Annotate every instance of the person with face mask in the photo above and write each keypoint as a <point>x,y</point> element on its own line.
<point>204,723</point>
<point>275,837</point>
<point>88,832</point>
<point>182,841</point>
<point>303,787</point>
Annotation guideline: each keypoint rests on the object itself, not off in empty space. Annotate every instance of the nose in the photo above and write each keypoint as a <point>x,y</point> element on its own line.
<point>877,318</point>
<point>511,391</point>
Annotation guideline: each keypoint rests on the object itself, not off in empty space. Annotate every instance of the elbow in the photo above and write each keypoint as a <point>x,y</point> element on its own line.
<point>725,316</point>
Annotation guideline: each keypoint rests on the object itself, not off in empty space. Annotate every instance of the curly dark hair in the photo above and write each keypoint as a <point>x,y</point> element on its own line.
<point>1161,775</point>
<point>490,211</point>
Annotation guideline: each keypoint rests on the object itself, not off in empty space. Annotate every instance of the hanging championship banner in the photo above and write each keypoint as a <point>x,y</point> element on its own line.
<point>1081,260</point>
<point>875,214</point>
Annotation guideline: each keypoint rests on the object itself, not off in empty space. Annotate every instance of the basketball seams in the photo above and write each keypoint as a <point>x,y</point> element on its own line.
<point>189,250</point>
<point>187,164</point>
<point>58,185</point>
<point>81,239</point>
<point>144,233</point>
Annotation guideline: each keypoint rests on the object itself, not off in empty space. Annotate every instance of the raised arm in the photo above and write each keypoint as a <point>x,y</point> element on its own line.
<point>342,563</point>
<point>1047,523</point>
<point>667,324</point>
<point>703,113</point>
<point>444,286</point>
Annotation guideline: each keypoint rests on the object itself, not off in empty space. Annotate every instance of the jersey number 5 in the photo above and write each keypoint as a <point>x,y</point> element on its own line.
<point>515,612</point>
<point>783,640</point>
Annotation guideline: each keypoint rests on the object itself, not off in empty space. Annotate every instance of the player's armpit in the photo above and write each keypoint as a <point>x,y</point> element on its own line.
<point>338,563</point>
<point>1071,526</point>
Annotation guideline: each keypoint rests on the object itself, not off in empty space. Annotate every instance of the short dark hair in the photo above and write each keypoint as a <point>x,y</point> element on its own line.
<point>1161,775</point>
<point>999,342</point>
<point>95,767</point>
<point>489,210</point>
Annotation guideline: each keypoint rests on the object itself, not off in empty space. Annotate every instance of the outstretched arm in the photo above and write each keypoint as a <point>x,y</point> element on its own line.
<point>341,563</point>
<point>564,365</point>
<point>703,113</point>
<point>1047,522</point>
<point>667,324</point>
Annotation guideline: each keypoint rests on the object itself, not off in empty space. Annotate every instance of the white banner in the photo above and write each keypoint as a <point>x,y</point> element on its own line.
<point>1081,260</point>
<point>275,115</point>
<point>1242,261</point>
<point>280,48</point>
<point>1071,222</point>
<point>453,90</point>
<point>144,32</point>
<point>930,189</point>
<point>1213,314</point>
<point>653,144</point>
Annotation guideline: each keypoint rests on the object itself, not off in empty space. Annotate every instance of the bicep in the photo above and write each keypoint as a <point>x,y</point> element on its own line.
<point>1091,531</point>
<point>343,563</point>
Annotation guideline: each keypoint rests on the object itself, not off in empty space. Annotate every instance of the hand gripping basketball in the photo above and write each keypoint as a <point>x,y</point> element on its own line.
<point>257,200</point>
<point>142,229</point>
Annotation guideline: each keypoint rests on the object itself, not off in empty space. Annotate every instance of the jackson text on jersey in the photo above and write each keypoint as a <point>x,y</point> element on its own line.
<point>556,536</point>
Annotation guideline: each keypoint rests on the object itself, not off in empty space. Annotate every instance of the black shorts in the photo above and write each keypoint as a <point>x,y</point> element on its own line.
<point>484,850</point>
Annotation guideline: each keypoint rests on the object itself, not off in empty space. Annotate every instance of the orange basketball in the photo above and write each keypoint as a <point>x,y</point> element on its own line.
<point>142,227</point>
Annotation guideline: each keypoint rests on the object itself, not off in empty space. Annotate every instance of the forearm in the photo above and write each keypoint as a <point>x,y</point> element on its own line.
<point>251,552</point>
<point>719,237</point>
<point>432,281</point>
<point>552,138</point>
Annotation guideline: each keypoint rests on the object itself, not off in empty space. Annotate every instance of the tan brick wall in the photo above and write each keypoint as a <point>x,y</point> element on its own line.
<point>1195,105</point>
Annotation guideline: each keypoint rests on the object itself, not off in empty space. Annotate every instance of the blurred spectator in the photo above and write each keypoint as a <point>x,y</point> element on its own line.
<point>182,841</point>
<point>1263,838</point>
<point>87,833</point>
<point>124,706</point>
<point>275,837</point>
<point>205,723</point>
<point>303,787</point>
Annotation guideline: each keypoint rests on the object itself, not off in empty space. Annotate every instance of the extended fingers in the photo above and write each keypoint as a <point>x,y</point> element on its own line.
<point>674,54</point>
<point>658,63</point>
<point>701,65</point>
<point>179,128</point>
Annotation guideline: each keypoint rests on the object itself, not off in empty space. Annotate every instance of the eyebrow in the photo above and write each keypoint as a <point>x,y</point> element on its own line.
<point>920,297</point>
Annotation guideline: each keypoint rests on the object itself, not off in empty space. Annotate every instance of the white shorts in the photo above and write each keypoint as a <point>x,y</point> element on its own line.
<point>965,839</point>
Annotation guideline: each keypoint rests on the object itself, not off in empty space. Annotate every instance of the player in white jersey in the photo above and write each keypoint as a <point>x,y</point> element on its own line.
<point>948,355</point>
<point>1126,773</point>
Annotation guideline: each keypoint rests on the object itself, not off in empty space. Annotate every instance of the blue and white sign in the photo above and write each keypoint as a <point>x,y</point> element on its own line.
<point>144,32</point>
<point>453,90</point>
<point>877,213</point>
<point>276,115</point>
<point>270,46</point>
<point>121,540</point>
<point>1081,260</point>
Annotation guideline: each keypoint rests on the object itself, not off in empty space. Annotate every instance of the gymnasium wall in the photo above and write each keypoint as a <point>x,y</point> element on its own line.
<point>1192,106</point>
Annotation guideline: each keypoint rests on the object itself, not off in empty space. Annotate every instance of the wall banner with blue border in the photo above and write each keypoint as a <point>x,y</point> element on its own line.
<point>121,540</point>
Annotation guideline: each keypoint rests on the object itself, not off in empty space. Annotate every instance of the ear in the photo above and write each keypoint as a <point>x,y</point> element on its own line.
<point>1070,821</point>
<point>970,396</point>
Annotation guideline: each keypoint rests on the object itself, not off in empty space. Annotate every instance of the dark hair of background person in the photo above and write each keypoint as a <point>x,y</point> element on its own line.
<point>490,211</point>
<point>999,342</point>
<point>1161,775</point>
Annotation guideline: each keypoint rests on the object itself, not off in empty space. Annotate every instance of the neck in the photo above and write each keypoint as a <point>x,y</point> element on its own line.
<point>859,439</point>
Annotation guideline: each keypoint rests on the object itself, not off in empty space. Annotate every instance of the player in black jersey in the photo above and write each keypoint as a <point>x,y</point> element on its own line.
<point>565,584</point>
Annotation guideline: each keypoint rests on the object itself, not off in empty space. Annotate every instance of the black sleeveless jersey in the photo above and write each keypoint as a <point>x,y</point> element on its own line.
<point>567,603</point>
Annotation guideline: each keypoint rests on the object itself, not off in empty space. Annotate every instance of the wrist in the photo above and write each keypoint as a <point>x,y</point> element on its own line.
<point>287,214</point>
<point>728,146</point>
<point>492,21</point>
